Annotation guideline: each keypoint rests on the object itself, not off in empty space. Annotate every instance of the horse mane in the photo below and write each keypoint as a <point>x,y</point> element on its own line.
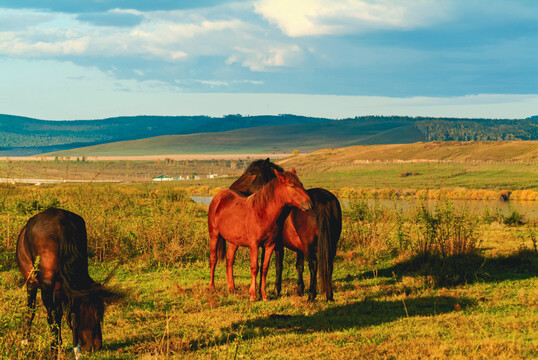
<point>267,193</point>
<point>257,174</point>
<point>262,197</point>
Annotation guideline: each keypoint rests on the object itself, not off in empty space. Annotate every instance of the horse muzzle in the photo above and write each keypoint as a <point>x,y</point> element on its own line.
<point>306,206</point>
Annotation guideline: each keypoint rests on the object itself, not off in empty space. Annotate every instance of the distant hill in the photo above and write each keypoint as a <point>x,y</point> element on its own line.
<point>524,151</point>
<point>26,136</point>
<point>264,139</point>
<point>146,135</point>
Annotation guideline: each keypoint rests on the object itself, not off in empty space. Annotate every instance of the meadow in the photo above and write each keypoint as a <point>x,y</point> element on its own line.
<point>432,281</point>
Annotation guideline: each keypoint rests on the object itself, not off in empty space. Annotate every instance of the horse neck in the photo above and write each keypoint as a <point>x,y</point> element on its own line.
<point>267,201</point>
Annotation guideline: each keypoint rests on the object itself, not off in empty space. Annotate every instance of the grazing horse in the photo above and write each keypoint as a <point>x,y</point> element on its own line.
<point>313,233</point>
<point>52,255</point>
<point>252,221</point>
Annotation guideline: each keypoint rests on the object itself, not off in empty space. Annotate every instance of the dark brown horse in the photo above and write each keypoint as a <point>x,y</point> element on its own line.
<point>252,221</point>
<point>313,234</point>
<point>52,255</point>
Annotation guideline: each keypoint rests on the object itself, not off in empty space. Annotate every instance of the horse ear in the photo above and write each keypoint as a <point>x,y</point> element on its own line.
<point>278,175</point>
<point>293,171</point>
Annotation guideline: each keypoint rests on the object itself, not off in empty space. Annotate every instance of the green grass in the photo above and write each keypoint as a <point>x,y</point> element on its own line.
<point>169,313</point>
<point>500,176</point>
<point>388,302</point>
<point>430,176</point>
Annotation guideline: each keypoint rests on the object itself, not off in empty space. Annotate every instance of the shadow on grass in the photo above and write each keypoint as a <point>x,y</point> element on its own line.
<point>359,314</point>
<point>462,269</point>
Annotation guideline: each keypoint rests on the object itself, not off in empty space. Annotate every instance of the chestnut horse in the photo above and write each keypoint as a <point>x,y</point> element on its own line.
<point>52,255</point>
<point>252,221</point>
<point>313,234</point>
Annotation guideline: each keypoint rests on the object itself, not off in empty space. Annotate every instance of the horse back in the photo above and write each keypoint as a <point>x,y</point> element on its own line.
<point>58,238</point>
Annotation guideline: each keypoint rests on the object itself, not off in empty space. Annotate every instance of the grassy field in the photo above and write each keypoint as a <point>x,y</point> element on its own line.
<point>422,176</point>
<point>479,175</point>
<point>395,295</point>
<point>169,313</point>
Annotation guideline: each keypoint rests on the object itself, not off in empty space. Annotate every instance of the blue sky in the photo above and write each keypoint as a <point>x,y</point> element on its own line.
<point>335,58</point>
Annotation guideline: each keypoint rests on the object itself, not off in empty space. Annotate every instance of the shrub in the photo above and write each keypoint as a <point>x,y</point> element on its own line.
<point>445,231</point>
<point>514,219</point>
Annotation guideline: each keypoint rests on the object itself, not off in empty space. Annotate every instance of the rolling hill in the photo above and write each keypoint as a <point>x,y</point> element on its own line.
<point>21,136</point>
<point>501,151</point>
<point>264,139</point>
<point>147,135</point>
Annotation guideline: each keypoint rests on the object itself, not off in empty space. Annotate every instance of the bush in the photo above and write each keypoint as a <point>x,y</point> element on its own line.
<point>445,231</point>
<point>514,219</point>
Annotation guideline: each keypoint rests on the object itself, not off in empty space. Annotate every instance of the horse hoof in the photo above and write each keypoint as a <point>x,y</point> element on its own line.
<point>253,298</point>
<point>77,353</point>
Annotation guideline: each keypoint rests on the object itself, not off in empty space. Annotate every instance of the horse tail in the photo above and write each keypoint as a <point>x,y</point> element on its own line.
<point>221,248</point>
<point>329,219</point>
<point>74,255</point>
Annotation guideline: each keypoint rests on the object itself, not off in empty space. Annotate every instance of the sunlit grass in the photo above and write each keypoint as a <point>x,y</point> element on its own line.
<point>387,305</point>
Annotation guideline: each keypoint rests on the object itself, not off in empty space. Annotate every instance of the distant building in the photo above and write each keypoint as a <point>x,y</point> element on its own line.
<point>162,178</point>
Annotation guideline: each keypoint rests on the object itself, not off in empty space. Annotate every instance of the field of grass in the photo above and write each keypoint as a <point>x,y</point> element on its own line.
<point>422,176</point>
<point>400,292</point>
<point>479,175</point>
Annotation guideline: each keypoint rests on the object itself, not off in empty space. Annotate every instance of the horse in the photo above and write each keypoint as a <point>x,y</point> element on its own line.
<point>252,221</point>
<point>313,233</point>
<point>52,255</point>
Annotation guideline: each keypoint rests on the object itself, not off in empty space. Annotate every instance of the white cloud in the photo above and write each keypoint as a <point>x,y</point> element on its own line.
<point>169,35</point>
<point>264,59</point>
<point>330,17</point>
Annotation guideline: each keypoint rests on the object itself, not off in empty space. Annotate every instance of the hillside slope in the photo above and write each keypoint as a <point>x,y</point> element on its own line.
<point>525,151</point>
<point>264,139</point>
<point>25,136</point>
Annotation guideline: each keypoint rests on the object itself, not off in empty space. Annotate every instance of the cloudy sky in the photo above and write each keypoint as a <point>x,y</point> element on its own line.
<point>69,59</point>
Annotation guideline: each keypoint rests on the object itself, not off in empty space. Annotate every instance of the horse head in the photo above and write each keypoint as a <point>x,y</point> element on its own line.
<point>294,193</point>
<point>86,313</point>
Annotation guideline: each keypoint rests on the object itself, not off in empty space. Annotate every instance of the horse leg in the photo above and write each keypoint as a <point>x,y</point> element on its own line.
<point>31,292</point>
<point>279,265</point>
<point>253,271</point>
<point>230,258</point>
<point>213,240</point>
<point>261,271</point>
<point>266,259</point>
<point>313,266</point>
<point>53,303</point>
<point>299,265</point>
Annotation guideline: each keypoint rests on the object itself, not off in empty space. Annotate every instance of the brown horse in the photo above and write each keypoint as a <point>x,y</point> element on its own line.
<point>252,221</point>
<point>313,234</point>
<point>52,255</point>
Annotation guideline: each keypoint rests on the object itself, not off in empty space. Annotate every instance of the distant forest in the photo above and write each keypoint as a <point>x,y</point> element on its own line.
<point>26,136</point>
<point>478,130</point>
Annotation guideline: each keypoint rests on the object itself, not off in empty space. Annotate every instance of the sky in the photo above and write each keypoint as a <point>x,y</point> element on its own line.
<point>66,60</point>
